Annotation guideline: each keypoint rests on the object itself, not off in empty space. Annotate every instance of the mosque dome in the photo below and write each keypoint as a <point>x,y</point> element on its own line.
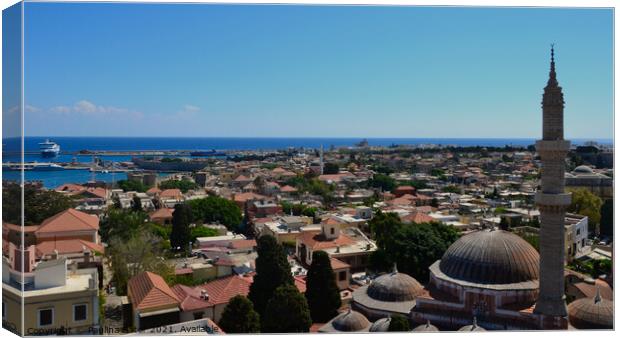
<point>583,169</point>
<point>588,313</point>
<point>428,327</point>
<point>491,257</point>
<point>350,321</point>
<point>381,325</point>
<point>394,287</point>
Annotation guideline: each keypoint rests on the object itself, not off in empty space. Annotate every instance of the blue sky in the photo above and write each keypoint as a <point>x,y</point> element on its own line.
<point>312,71</point>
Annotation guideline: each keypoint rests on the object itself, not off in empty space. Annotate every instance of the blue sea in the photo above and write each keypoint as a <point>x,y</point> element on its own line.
<point>11,147</point>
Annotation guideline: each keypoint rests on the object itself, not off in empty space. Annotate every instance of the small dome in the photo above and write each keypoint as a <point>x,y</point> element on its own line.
<point>491,257</point>
<point>381,325</point>
<point>588,313</point>
<point>350,321</point>
<point>583,169</point>
<point>428,327</point>
<point>394,287</point>
<point>473,327</point>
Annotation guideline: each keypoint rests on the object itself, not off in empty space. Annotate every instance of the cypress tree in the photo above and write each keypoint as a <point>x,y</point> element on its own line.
<point>272,271</point>
<point>287,311</point>
<point>181,234</point>
<point>322,291</point>
<point>239,316</point>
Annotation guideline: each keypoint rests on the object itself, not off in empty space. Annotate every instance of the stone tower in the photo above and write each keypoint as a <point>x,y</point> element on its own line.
<point>552,202</point>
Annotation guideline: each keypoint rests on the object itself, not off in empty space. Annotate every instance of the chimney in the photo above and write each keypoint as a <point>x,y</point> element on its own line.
<point>204,295</point>
<point>55,254</point>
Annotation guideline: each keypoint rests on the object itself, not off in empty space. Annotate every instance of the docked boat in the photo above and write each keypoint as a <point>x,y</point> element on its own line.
<point>49,148</point>
<point>207,153</point>
<point>32,166</point>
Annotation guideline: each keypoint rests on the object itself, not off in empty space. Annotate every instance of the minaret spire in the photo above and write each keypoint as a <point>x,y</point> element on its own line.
<point>553,82</point>
<point>552,202</point>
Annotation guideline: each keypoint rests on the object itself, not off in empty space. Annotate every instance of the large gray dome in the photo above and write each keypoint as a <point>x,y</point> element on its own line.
<point>584,169</point>
<point>394,287</point>
<point>588,313</point>
<point>381,325</point>
<point>491,257</point>
<point>428,327</point>
<point>350,321</point>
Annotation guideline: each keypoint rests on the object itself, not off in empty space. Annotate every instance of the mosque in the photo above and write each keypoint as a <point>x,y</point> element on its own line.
<point>492,279</point>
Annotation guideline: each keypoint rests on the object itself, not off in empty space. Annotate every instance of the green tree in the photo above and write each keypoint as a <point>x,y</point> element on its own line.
<point>383,226</point>
<point>399,324</point>
<point>181,234</point>
<point>322,291</point>
<point>239,316</point>
<point>286,312</point>
<point>272,271</point>
<point>184,185</point>
<point>131,185</point>
<point>136,204</point>
<point>201,231</point>
<point>215,209</point>
<point>451,188</point>
<point>384,182</point>
<point>588,204</point>
<point>331,168</point>
<point>122,224</point>
<point>129,257</point>
<point>38,205</point>
<point>607,218</point>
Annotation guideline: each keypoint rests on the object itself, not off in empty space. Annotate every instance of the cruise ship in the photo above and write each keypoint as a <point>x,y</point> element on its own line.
<point>49,148</point>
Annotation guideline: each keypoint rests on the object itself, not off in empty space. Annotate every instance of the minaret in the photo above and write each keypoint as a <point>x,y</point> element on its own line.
<point>552,202</point>
<point>321,160</point>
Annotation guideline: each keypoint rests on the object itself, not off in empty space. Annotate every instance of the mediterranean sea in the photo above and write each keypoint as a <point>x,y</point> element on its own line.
<point>71,145</point>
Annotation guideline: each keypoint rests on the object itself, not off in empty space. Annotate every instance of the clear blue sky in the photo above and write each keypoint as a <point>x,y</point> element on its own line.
<point>310,71</point>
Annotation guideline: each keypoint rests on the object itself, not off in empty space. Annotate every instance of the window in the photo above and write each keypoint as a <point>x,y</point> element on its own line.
<point>331,230</point>
<point>342,275</point>
<point>198,315</point>
<point>80,312</point>
<point>46,317</point>
<point>578,232</point>
<point>3,310</point>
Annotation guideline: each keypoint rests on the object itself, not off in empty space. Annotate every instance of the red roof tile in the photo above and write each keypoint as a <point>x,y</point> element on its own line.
<point>69,220</point>
<point>149,290</point>
<point>317,241</point>
<point>67,246</point>
<point>221,290</point>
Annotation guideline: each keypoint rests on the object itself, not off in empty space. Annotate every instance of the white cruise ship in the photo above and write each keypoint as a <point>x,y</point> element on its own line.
<point>49,148</point>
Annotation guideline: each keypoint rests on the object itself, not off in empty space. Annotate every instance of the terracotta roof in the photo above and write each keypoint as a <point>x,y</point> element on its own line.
<point>154,190</point>
<point>418,217</point>
<point>242,197</point>
<point>338,264</point>
<point>242,178</point>
<point>191,298</point>
<point>242,244</point>
<point>288,188</point>
<point>69,220</point>
<point>70,188</point>
<point>331,221</point>
<point>161,213</point>
<point>317,241</point>
<point>67,246</point>
<point>589,290</point>
<point>99,192</point>
<point>149,290</point>
<point>221,290</point>
<point>173,193</point>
